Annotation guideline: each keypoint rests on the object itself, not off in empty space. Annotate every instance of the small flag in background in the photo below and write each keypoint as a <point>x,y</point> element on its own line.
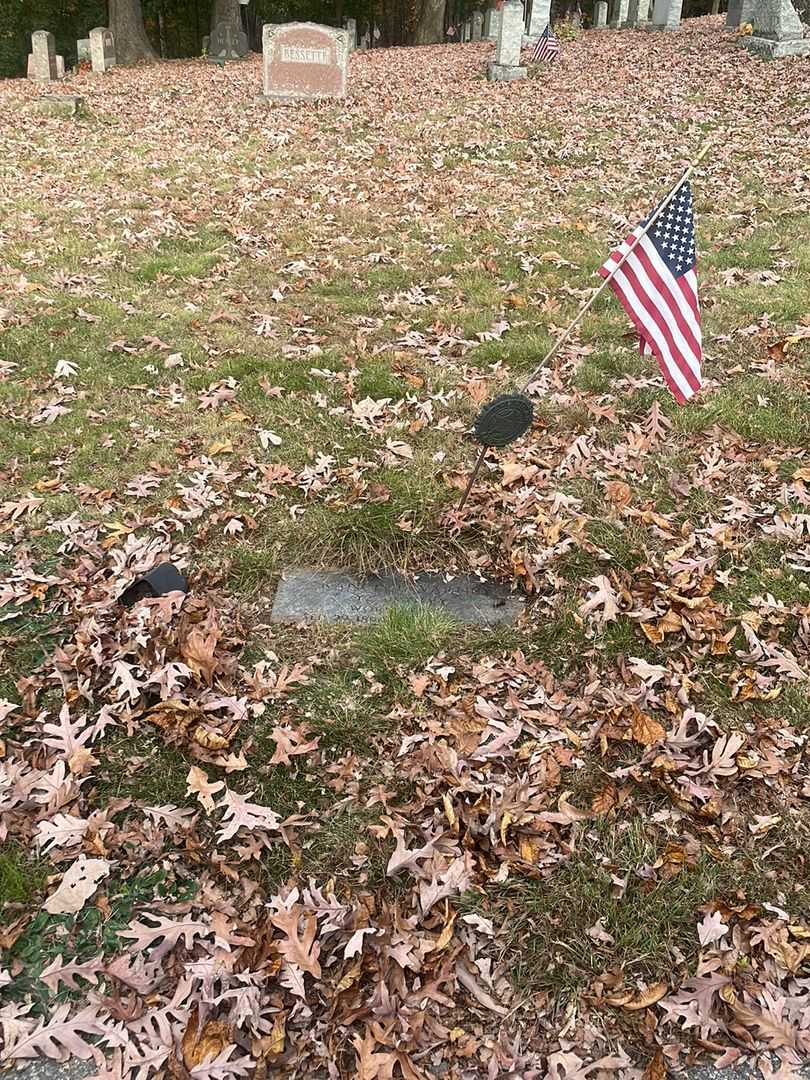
<point>547,47</point>
<point>657,287</point>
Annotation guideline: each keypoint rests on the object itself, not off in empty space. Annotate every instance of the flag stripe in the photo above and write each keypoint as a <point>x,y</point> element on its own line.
<point>656,284</point>
<point>661,305</point>
<point>646,326</point>
<point>669,340</point>
<point>657,273</point>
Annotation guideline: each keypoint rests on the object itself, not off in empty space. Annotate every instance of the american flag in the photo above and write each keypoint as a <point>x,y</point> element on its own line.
<point>547,47</point>
<point>657,287</point>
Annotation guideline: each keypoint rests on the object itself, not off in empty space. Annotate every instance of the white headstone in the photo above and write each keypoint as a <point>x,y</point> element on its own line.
<point>619,15</point>
<point>666,15</point>
<point>506,67</point>
<point>777,32</point>
<point>42,60</point>
<point>304,60</point>
<point>102,49</point>
<point>477,25</point>
<point>495,24</point>
<point>539,19</point>
<point>351,30</point>
<point>60,66</point>
<point>83,49</point>
<point>600,14</point>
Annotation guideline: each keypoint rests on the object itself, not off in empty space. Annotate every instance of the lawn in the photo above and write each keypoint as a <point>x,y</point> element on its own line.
<point>244,338</point>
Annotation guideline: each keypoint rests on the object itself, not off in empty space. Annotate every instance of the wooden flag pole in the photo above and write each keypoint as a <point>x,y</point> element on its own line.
<point>589,303</point>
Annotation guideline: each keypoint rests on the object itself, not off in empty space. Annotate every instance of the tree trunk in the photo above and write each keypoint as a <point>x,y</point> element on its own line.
<point>430,27</point>
<point>227,11</point>
<point>131,41</point>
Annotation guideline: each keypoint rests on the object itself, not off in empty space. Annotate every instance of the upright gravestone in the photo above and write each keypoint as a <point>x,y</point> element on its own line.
<point>83,50</point>
<point>539,18</point>
<point>666,15</point>
<point>495,24</point>
<point>619,15</point>
<point>506,66</point>
<point>227,41</point>
<point>42,59</point>
<point>102,49</point>
<point>477,25</point>
<point>351,30</point>
<point>777,31</point>
<point>747,11</point>
<point>304,60</point>
<point>600,13</point>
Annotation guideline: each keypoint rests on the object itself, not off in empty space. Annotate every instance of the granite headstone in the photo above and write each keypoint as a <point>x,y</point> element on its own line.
<point>777,31</point>
<point>506,67</point>
<point>304,60</point>
<point>42,59</point>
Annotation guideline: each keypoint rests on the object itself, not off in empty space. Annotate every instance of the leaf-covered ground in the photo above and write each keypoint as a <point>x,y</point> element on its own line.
<point>243,338</point>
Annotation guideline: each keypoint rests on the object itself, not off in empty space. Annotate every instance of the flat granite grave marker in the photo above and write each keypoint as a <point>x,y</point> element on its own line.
<point>59,104</point>
<point>777,31</point>
<point>304,60</point>
<point>102,49</point>
<point>42,58</point>
<point>506,66</point>
<point>305,596</point>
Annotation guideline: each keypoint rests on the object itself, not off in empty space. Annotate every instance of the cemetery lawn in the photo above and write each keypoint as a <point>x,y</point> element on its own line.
<point>245,338</point>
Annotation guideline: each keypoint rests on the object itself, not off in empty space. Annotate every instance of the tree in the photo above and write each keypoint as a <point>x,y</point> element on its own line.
<point>131,41</point>
<point>430,24</point>
<point>228,11</point>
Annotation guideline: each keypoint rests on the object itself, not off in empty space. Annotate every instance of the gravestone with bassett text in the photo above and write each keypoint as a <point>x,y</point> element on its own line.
<point>102,49</point>
<point>42,58</point>
<point>304,61</point>
<point>506,66</point>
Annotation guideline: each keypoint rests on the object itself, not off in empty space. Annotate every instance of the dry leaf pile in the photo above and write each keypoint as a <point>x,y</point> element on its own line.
<point>497,767</point>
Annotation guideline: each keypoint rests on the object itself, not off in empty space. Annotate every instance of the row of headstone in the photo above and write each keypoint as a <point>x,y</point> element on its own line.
<point>304,61</point>
<point>44,65</point>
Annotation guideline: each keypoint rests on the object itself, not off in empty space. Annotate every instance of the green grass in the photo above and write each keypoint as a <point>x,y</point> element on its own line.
<point>407,635</point>
<point>89,932</point>
<point>21,877</point>
<point>547,920</point>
